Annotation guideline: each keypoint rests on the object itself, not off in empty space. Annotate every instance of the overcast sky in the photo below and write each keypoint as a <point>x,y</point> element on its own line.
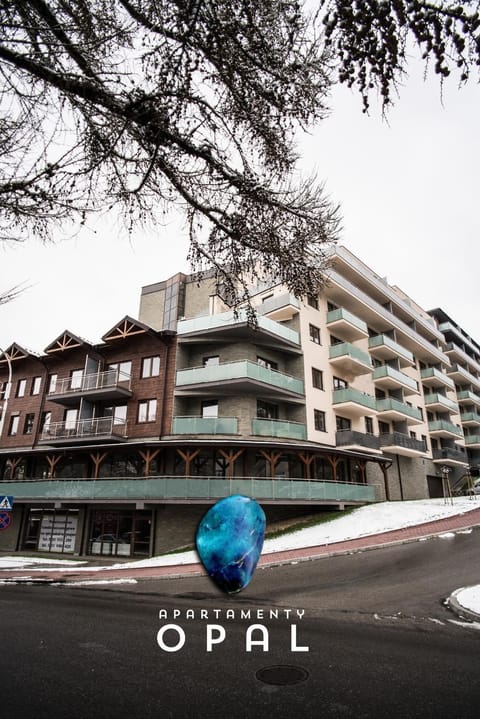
<point>409,194</point>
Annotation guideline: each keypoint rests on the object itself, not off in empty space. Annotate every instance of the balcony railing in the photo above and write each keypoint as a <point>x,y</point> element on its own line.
<point>433,376</point>
<point>384,347</point>
<point>281,306</point>
<point>229,319</point>
<point>240,370</point>
<point>205,425</point>
<point>466,396</point>
<point>387,376</point>
<point>446,454</point>
<point>353,359</point>
<point>462,375</point>
<point>398,440</point>
<point>351,395</point>
<point>470,417</point>
<point>440,401</point>
<point>345,323</point>
<point>278,428</point>
<point>84,429</point>
<point>393,406</point>
<point>441,427</point>
<point>103,383</point>
<point>472,440</point>
<point>352,438</point>
<point>185,488</point>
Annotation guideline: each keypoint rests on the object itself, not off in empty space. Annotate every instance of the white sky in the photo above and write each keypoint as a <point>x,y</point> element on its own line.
<point>409,196</point>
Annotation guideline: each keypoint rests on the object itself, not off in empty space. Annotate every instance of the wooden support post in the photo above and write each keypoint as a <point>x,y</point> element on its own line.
<point>333,460</point>
<point>307,460</point>
<point>385,468</point>
<point>231,458</point>
<point>52,460</point>
<point>97,459</point>
<point>148,456</point>
<point>13,465</point>
<point>272,458</point>
<point>187,458</point>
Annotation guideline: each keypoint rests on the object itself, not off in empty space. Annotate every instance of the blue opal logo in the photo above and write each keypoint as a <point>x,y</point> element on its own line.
<point>229,541</point>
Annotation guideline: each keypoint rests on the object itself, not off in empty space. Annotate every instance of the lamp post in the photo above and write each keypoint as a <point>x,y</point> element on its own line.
<point>6,392</point>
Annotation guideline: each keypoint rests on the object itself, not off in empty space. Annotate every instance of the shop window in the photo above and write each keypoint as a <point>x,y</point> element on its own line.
<point>120,533</point>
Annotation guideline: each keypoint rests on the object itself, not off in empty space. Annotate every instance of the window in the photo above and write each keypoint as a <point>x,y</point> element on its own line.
<point>147,410</point>
<point>210,408</point>
<point>76,376</point>
<point>368,425</point>
<point>266,410</point>
<point>21,387</point>
<point>52,384</point>
<point>150,366</point>
<point>339,383</point>
<point>119,413</point>
<point>314,334</point>
<point>212,361</point>
<point>317,378</point>
<point>3,390</point>
<point>383,427</point>
<point>413,435</point>
<point>123,369</point>
<point>70,418</point>
<point>36,384</point>
<point>312,301</point>
<point>28,426</point>
<point>45,421</point>
<point>13,427</point>
<point>269,364</point>
<point>343,423</point>
<point>319,420</point>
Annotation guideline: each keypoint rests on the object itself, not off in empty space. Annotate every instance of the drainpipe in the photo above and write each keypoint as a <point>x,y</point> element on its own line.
<point>7,390</point>
<point>400,478</point>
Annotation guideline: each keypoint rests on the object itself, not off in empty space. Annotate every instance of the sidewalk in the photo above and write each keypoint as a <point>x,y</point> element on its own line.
<point>87,572</point>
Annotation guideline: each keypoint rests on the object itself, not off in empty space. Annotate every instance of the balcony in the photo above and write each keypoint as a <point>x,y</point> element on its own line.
<point>462,376</point>
<point>449,456</point>
<point>440,403</point>
<point>393,410</point>
<point>467,397</point>
<point>384,348</point>
<point>442,428</point>
<point>359,441</point>
<point>353,403</point>
<point>238,377</point>
<point>433,377</point>
<point>84,430</point>
<point>171,489</point>
<point>281,307</point>
<point>457,354</point>
<point>472,441</point>
<point>109,385</point>
<point>388,377</point>
<point>205,425</point>
<point>278,428</point>
<point>403,444</point>
<point>228,326</point>
<point>350,359</point>
<point>470,419</point>
<point>346,325</point>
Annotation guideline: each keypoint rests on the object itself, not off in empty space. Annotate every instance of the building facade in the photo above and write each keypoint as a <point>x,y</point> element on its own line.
<point>354,396</point>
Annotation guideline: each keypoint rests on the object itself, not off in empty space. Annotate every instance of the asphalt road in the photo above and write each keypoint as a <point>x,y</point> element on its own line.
<point>381,643</point>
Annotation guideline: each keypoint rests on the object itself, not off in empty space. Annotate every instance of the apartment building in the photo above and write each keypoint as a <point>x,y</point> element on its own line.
<point>353,396</point>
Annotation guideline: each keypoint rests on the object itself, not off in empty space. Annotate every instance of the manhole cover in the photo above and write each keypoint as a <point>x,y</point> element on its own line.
<point>282,675</point>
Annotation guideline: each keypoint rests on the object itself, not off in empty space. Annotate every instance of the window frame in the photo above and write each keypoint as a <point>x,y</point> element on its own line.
<point>319,420</point>
<point>314,333</point>
<point>317,378</point>
<point>151,366</point>
<point>147,404</point>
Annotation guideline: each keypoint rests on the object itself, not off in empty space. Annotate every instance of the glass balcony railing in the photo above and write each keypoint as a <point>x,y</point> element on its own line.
<point>390,404</point>
<point>399,440</point>
<point>353,438</point>
<point>395,377</point>
<point>466,395</point>
<point>228,319</point>
<point>242,369</point>
<point>470,417</point>
<point>111,379</point>
<point>432,373</point>
<point>205,425</point>
<point>342,396</point>
<point>345,350</point>
<point>389,348</point>
<point>472,439</point>
<point>278,428</point>
<point>440,426</point>
<point>441,400</point>
<point>342,316</point>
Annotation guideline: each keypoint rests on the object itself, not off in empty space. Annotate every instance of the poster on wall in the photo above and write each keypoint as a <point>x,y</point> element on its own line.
<point>57,533</point>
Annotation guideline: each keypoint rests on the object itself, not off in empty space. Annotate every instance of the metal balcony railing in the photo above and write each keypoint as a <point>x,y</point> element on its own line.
<point>84,428</point>
<point>87,382</point>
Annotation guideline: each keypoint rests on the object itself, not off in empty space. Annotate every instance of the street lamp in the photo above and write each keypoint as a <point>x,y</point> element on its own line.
<point>6,392</point>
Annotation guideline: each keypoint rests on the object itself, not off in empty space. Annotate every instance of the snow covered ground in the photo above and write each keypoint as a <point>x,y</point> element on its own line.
<point>367,520</point>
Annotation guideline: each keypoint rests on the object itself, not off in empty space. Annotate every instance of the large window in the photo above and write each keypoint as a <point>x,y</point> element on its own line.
<point>211,361</point>
<point>13,426</point>
<point>339,383</point>
<point>269,364</point>
<point>210,408</point>
<point>52,383</point>
<point>76,376</point>
<point>343,423</point>
<point>124,369</point>
<point>151,366</point>
<point>266,410</point>
<point>319,420</point>
<point>147,410</point>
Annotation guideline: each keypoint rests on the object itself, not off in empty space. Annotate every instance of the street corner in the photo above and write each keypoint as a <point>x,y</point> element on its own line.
<point>465,603</point>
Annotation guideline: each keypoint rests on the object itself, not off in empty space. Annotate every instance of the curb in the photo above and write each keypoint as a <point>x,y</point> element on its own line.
<point>462,612</point>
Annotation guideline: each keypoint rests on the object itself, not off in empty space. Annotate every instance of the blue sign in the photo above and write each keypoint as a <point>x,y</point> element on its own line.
<point>6,503</point>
